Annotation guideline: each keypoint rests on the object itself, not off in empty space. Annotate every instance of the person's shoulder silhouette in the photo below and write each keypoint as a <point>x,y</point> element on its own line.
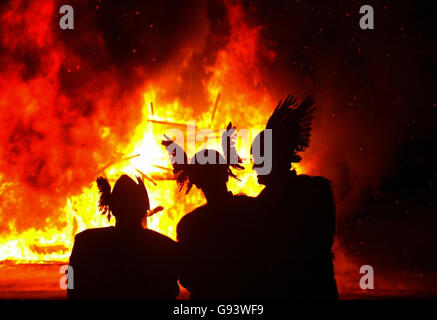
<point>298,211</point>
<point>211,238</point>
<point>215,243</point>
<point>125,261</point>
<point>307,203</point>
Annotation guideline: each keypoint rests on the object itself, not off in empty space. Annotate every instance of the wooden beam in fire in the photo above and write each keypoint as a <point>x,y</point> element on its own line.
<point>214,110</point>
<point>155,210</point>
<point>162,168</point>
<point>115,162</point>
<point>144,176</point>
<point>169,123</point>
<point>179,124</point>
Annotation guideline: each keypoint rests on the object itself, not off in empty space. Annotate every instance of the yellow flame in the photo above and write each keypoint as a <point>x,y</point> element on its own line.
<point>242,99</point>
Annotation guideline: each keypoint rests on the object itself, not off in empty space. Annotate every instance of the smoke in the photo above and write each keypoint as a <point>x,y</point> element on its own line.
<point>369,85</point>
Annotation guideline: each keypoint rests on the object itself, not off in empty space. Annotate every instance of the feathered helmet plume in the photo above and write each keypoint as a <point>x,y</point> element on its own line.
<point>185,169</point>
<point>105,196</point>
<point>291,125</point>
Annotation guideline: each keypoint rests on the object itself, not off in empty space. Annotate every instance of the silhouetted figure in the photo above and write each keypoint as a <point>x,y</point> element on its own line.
<point>213,238</point>
<point>297,212</point>
<point>125,261</point>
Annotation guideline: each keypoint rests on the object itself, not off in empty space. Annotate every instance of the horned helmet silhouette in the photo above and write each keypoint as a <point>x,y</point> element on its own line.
<point>126,198</point>
<point>189,172</point>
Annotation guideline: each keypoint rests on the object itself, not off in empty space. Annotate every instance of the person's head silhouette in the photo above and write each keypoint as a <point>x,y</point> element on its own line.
<point>280,159</point>
<point>208,170</point>
<point>210,175</point>
<point>128,201</point>
<point>290,126</point>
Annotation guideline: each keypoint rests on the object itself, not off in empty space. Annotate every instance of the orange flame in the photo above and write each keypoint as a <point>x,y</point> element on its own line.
<point>235,77</point>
